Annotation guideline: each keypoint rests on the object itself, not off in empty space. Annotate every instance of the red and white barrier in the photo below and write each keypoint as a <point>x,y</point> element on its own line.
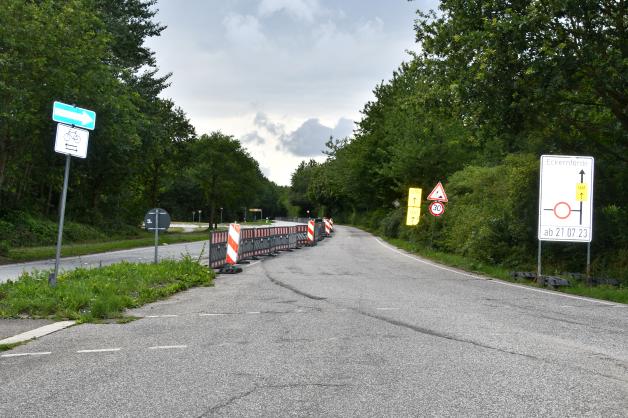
<point>233,244</point>
<point>310,231</point>
<point>327,226</point>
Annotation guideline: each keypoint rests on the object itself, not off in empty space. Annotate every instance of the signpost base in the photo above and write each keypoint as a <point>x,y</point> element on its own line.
<point>52,278</point>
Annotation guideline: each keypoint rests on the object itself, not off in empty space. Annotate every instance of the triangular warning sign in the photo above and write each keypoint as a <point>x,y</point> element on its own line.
<point>438,194</point>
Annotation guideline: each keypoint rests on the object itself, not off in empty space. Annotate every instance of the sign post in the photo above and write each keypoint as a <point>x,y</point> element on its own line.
<point>70,141</point>
<point>156,220</point>
<point>566,202</point>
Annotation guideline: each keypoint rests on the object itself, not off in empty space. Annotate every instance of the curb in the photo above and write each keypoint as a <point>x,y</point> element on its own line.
<point>38,332</point>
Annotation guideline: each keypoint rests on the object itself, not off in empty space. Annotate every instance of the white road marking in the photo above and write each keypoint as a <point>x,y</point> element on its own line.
<point>100,350</point>
<point>253,313</point>
<point>496,281</point>
<point>387,309</point>
<point>43,353</point>
<point>167,347</point>
<point>161,316</point>
<point>213,314</point>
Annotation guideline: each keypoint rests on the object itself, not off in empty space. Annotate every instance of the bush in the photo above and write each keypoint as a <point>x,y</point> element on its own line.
<point>4,247</point>
<point>492,212</point>
<point>21,229</point>
<point>390,223</point>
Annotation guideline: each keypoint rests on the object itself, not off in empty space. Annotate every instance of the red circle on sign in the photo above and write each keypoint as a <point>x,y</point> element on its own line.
<point>436,208</point>
<point>559,207</point>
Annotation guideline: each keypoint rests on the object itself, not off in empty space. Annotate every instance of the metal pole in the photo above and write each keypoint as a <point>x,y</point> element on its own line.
<point>589,263</point>
<point>538,265</point>
<point>52,280</point>
<point>156,233</point>
<point>209,264</point>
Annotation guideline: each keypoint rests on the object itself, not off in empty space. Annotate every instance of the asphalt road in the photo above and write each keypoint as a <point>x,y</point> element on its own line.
<point>351,327</point>
<point>137,255</point>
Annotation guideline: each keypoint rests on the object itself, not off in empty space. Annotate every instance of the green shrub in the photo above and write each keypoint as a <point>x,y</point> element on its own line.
<point>492,212</point>
<point>4,247</point>
<point>389,225</point>
<point>22,229</point>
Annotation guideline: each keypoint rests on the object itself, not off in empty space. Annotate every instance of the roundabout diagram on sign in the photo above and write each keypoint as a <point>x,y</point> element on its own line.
<point>566,198</point>
<point>562,210</point>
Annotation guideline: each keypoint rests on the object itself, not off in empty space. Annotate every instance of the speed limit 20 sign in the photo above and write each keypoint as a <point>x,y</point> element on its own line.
<point>437,208</point>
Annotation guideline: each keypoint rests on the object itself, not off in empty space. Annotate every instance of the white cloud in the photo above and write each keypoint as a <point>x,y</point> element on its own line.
<point>309,139</point>
<point>244,31</point>
<point>253,138</point>
<point>261,120</point>
<point>305,10</point>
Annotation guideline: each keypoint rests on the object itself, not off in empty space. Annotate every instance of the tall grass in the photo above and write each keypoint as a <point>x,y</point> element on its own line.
<point>96,294</point>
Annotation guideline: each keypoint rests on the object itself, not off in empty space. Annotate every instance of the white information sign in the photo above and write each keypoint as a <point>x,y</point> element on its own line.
<point>72,141</point>
<point>566,198</point>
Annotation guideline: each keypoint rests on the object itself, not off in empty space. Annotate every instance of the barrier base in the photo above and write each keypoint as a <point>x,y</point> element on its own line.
<point>230,269</point>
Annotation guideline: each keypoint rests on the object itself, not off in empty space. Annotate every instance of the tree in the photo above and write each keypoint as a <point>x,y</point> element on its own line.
<point>224,172</point>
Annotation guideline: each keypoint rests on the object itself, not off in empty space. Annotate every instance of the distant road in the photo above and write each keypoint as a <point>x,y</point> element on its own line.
<point>137,255</point>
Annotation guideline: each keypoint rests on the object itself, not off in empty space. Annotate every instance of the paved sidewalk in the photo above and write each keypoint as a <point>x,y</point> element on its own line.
<point>11,327</point>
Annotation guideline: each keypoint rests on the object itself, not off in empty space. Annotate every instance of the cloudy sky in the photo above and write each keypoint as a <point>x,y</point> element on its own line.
<point>281,75</point>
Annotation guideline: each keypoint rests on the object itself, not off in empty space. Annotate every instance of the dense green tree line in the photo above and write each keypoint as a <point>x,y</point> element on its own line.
<point>496,85</point>
<point>143,153</point>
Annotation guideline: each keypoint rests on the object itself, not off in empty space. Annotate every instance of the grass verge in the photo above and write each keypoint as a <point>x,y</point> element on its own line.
<point>23,254</point>
<point>610,293</point>
<point>7,347</point>
<point>93,295</point>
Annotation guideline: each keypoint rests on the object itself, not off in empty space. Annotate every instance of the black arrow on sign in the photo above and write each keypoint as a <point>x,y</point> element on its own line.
<point>581,181</point>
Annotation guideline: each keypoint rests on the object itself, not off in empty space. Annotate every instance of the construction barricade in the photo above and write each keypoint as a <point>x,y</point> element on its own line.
<point>236,246</point>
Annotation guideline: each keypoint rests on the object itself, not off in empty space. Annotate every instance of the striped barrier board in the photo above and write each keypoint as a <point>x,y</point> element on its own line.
<point>233,244</point>
<point>311,231</point>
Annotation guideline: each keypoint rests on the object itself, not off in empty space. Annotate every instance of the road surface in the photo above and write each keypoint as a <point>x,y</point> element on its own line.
<point>137,255</point>
<point>351,327</point>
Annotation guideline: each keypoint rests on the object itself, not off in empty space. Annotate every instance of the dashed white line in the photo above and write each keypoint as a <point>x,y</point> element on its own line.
<point>99,350</point>
<point>167,347</point>
<point>161,316</point>
<point>253,313</point>
<point>213,314</point>
<point>43,353</point>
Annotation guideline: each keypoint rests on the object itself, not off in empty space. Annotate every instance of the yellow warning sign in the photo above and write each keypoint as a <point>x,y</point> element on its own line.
<point>414,197</point>
<point>582,192</point>
<point>414,215</point>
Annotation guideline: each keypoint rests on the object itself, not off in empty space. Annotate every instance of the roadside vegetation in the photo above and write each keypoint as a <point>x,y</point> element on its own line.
<point>577,287</point>
<point>99,294</point>
<point>143,153</point>
<point>492,89</point>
